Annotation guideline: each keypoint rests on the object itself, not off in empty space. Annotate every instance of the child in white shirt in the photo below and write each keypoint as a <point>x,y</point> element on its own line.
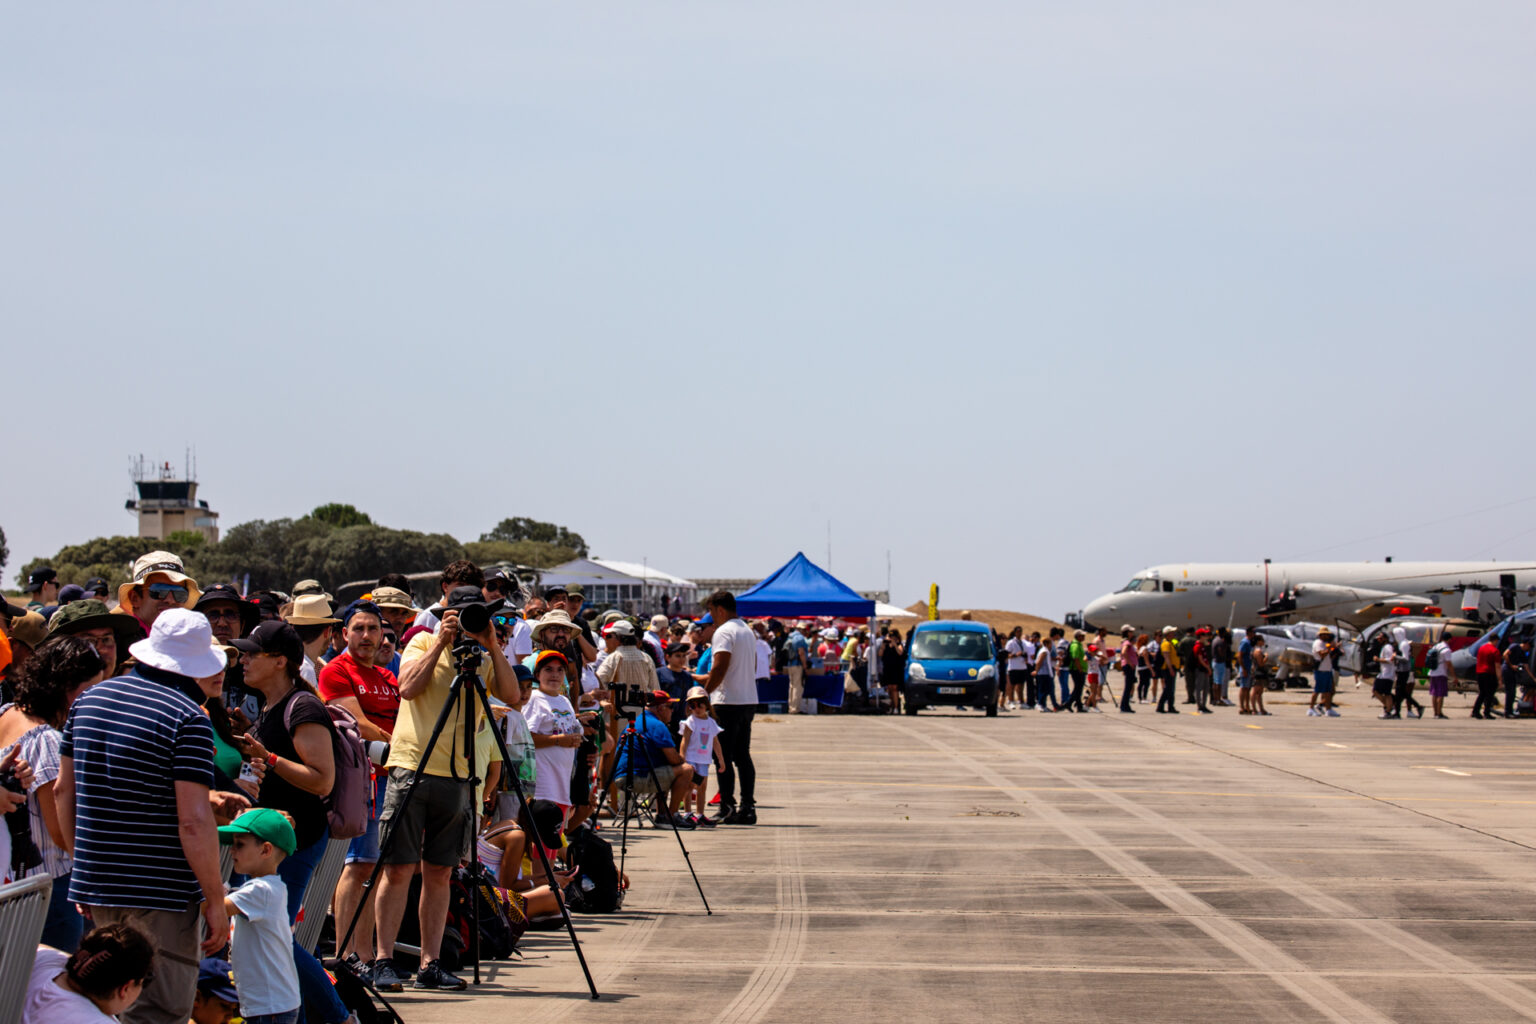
<point>701,748</point>
<point>555,729</point>
<point>262,949</point>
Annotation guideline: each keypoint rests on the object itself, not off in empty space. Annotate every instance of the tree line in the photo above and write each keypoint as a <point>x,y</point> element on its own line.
<point>334,543</point>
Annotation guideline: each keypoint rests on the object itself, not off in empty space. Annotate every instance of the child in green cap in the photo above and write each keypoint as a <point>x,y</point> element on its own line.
<point>262,949</point>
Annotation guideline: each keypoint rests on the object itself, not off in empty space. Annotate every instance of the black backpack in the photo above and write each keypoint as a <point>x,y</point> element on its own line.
<point>595,889</point>
<point>1432,658</point>
<point>503,917</point>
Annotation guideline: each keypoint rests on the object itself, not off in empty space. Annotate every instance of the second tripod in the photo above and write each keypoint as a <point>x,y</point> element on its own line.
<point>632,748</point>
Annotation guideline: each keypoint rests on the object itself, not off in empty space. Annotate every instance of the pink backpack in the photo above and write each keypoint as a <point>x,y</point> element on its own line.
<point>348,805</point>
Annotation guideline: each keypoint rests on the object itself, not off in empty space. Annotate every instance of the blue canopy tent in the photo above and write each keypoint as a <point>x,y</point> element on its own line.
<point>802,589</point>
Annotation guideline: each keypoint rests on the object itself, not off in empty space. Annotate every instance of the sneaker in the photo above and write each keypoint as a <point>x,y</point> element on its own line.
<point>1332,713</point>
<point>703,822</point>
<point>434,976</point>
<point>1127,711</point>
<point>726,811</point>
<point>1096,709</point>
<point>665,820</point>
<point>1385,714</point>
<point>746,816</point>
<point>1314,713</point>
<point>382,974</point>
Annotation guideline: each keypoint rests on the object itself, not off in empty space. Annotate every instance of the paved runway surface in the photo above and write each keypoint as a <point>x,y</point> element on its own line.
<point>1078,868</point>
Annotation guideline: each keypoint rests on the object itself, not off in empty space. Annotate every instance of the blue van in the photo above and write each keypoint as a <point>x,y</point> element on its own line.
<point>951,662</point>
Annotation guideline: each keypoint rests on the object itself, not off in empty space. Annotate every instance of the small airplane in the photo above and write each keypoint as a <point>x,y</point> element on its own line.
<point>1356,594</point>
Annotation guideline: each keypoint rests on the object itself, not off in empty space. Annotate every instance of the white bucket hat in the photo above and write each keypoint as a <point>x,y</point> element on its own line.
<point>180,641</point>
<point>554,618</point>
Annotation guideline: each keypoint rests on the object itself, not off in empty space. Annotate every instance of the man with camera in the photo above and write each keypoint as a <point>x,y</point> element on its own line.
<point>437,825</point>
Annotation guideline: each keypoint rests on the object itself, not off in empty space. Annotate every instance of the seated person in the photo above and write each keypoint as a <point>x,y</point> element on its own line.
<point>503,849</point>
<point>655,751</point>
<point>97,982</point>
<point>216,1001</point>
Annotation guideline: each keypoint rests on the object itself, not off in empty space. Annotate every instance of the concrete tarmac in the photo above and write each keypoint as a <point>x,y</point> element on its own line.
<point>1056,867</point>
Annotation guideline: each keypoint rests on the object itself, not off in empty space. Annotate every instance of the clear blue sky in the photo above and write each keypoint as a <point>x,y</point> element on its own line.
<point>1028,295</point>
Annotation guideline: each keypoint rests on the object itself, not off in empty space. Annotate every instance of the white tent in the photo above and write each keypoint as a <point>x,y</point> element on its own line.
<point>890,611</point>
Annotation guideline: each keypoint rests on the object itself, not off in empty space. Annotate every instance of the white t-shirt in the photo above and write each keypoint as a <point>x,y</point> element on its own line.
<point>552,716</point>
<point>262,950</point>
<point>48,1003</point>
<point>1045,664</point>
<point>1445,656</point>
<point>426,618</point>
<point>521,643</point>
<point>699,740</point>
<point>740,683</point>
<point>307,672</point>
<point>764,659</point>
<point>1017,660</point>
<point>1317,652</point>
<point>1387,659</point>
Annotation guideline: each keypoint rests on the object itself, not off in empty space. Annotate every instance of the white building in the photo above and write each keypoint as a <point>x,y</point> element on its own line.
<point>631,587</point>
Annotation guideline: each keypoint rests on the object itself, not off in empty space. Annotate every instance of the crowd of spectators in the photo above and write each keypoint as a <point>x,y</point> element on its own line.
<point>146,728</point>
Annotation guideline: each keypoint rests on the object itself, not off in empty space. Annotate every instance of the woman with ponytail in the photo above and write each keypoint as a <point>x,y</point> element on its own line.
<point>94,984</point>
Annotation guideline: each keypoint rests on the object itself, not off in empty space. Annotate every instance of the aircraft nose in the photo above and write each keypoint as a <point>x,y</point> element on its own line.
<point>1100,610</point>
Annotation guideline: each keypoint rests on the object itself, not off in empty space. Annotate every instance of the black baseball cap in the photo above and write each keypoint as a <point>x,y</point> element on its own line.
<point>38,577</point>
<point>502,577</point>
<point>11,611</point>
<point>676,649</point>
<point>551,591</point>
<point>272,637</point>
<point>462,597</point>
<point>96,585</point>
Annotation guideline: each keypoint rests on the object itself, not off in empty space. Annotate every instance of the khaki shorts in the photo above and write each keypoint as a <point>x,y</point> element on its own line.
<point>435,827</point>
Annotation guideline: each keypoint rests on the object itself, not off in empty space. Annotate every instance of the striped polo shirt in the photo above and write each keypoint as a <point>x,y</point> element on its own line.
<point>132,740</point>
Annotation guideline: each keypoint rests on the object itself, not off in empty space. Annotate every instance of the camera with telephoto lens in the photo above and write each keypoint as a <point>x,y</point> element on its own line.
<point>24,852</point>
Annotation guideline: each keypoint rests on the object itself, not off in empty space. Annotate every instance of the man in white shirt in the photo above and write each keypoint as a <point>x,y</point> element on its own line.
<point>732,686</point>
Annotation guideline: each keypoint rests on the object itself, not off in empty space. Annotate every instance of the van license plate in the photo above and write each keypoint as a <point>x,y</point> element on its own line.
<point>951,689</point>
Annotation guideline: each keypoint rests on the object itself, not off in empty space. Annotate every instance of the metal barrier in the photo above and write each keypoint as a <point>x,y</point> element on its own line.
<point>23,910</point>
<point>317,895</point>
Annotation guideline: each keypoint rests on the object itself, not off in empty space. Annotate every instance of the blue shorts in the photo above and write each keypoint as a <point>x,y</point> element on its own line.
<point>1244,680</point>
<point>700,773</point>
<point>1322,682</point>
<point>365,848</point>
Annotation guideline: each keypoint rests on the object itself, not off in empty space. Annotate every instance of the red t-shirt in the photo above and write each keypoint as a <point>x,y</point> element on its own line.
<point>1488,657</point>
<point>375,688</point>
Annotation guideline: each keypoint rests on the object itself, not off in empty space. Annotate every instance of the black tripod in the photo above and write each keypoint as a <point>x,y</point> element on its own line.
<point>470,690</point>
<point>629,744</point>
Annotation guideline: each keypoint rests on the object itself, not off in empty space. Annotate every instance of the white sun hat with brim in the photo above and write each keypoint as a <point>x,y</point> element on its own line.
<point>180,641</point>
<point>159,563</point>
<point>311,610</point>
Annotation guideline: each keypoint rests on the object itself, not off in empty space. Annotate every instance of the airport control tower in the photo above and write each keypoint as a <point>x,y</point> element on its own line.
<point>167,503</point>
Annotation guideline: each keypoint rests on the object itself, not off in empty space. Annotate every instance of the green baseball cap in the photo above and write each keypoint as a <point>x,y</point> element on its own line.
<point>265,824</point>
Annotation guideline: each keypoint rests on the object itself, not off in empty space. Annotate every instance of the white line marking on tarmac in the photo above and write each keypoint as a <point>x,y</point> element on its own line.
<point>1452,771</point>
<point>1338,746</point>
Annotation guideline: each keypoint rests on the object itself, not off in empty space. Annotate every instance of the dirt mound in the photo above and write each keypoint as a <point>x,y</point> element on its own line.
<point>998,619</point>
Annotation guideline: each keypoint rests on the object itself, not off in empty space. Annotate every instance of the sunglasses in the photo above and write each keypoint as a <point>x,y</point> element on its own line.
<point>161,591</point>
<point>221,613</point>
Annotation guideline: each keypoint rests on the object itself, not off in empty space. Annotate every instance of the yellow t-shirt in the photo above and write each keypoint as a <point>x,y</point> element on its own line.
<point>414,725</point>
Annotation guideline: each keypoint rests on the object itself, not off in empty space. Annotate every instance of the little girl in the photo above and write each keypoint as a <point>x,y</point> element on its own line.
<point>701,748</point>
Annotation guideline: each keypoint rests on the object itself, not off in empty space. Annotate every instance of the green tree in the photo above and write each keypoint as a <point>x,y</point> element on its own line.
<point>518,552</point>
<point>339,515</point>
<point>108,557</point>
<point>5,552</point>
<point>521,529</point>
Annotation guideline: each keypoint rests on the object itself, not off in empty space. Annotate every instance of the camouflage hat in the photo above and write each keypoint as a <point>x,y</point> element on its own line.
<point>92,614</point>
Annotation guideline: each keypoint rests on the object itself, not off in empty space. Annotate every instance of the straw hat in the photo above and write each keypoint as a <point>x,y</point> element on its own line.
<point>311,610</point>
<point>159,563</point>
<point>554,618</point>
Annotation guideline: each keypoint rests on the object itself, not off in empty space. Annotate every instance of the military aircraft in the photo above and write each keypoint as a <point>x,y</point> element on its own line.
<point>1350,593</point>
